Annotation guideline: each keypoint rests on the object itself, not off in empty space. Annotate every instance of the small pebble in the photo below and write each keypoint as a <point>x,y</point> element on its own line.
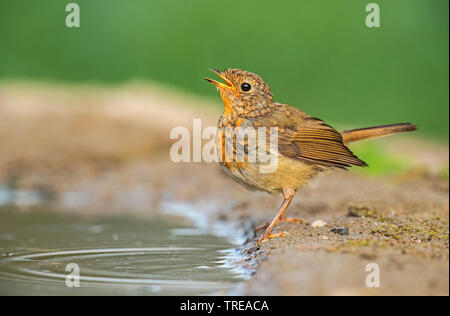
<point>318,223</point>
<point>343,231</point>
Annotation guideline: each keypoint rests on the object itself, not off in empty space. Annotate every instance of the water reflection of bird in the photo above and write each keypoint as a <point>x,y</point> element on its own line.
<point>306,145</point>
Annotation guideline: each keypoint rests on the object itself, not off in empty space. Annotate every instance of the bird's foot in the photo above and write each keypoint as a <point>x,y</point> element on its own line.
<point>294,220</point>
<point>270,236</point>
<point>283,219</point>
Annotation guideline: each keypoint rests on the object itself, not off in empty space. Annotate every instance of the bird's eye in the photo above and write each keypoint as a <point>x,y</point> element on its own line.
<point>245,86</point>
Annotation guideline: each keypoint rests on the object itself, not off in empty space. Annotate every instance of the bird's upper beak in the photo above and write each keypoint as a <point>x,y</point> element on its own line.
<point>228,84</point>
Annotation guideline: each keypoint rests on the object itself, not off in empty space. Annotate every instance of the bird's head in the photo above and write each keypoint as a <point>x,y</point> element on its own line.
<point>241,90</point>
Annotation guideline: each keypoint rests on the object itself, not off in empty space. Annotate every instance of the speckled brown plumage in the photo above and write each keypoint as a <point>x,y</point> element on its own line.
<point>306,145</point>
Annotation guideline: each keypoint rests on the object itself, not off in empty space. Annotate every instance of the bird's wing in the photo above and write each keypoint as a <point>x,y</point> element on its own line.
<point>309,139</point>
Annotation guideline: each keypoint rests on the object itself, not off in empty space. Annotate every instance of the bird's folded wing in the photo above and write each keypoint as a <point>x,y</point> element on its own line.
<point>316,142</point>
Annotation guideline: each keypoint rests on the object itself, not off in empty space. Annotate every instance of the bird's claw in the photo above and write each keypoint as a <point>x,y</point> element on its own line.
<point>265,238</point>
<point>294,220</point>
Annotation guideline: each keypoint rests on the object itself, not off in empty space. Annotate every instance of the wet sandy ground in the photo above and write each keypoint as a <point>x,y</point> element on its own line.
<point>106,150</point>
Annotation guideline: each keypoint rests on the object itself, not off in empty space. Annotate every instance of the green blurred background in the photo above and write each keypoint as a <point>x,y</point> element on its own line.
<point>318,55</point>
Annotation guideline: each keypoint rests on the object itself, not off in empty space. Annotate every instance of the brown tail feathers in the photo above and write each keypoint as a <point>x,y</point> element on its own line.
<point>377,131</point>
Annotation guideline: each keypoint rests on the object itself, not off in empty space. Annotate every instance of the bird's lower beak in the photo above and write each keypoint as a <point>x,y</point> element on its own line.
<point>227,83</point>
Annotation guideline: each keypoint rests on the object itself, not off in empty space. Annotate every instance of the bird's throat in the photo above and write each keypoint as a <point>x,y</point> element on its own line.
<point>228,109</point>
<point>226,96</point>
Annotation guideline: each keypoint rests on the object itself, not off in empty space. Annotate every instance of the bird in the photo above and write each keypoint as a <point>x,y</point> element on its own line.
<point>306,145</point>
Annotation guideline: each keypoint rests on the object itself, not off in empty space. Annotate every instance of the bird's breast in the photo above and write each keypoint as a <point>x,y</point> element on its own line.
<point>239,157</point>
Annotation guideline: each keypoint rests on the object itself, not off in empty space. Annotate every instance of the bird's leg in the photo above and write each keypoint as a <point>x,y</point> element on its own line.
<point>283,218</point>
<point>287,194</point>
<point>287,198</point>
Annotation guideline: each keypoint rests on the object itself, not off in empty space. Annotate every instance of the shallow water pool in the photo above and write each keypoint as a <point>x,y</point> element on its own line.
<point>122,255</point>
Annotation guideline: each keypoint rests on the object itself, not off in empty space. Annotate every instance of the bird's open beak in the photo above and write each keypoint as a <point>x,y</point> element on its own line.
<point>228,84</point>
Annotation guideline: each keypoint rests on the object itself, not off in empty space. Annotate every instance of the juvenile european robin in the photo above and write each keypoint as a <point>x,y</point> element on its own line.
<point>306,145</point>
